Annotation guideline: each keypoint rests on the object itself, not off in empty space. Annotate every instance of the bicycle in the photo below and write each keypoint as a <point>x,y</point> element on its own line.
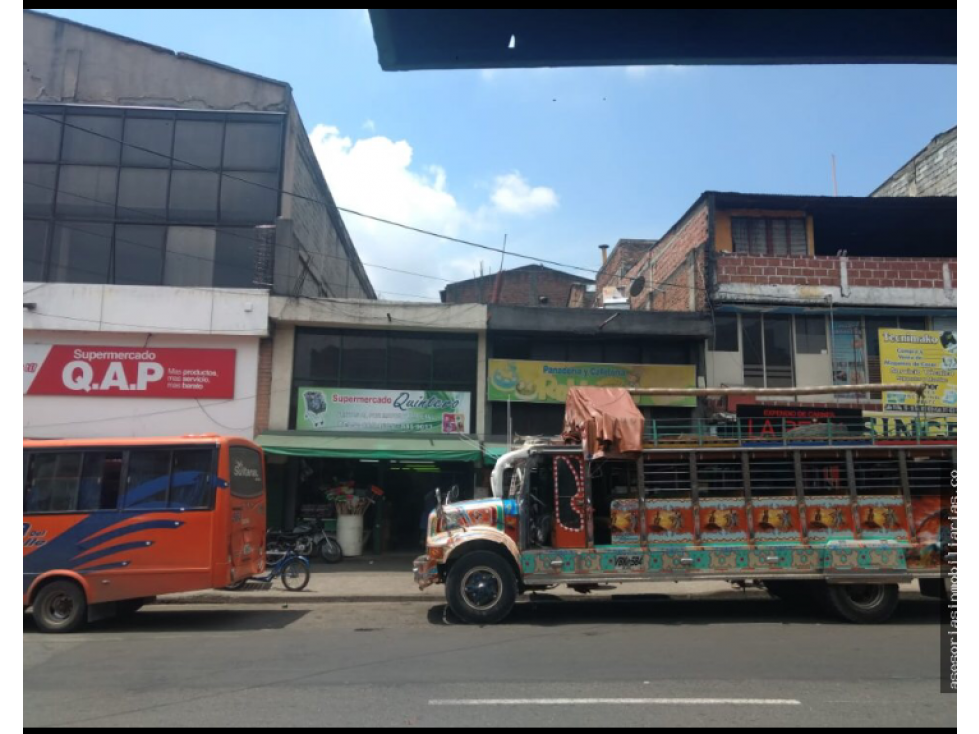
<point>292,568</point>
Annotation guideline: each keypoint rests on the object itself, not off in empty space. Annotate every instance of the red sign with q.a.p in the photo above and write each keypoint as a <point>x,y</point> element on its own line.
<point>128,372</point>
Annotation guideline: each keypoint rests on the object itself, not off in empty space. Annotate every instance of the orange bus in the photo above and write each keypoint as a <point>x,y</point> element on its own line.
<point>111,523</point>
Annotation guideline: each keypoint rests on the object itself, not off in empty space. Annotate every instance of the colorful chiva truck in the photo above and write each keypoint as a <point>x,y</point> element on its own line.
<point>838,522</point>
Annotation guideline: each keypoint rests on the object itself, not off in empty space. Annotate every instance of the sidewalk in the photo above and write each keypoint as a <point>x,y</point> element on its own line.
<point>389,578</point>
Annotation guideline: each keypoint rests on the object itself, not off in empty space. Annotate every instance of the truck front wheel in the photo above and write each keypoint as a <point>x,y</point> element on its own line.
<point>481,588</point>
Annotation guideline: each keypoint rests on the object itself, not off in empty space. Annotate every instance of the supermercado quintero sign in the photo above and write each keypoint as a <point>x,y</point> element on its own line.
<point>128,372</point>
<point>395,411</point>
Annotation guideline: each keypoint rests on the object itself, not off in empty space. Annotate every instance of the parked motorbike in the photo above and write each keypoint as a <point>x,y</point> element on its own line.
<point>324,543</point>
<point>299,540</point>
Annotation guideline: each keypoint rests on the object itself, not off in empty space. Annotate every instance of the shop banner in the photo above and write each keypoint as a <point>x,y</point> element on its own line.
<point>548,382</point>
<point>389,411</point>
<point>920,356</point>
<point>128,372</point>
<point>897,426</point>
<point>768,420</point>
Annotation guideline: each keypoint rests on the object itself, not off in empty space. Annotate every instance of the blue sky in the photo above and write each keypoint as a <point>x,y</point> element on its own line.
<point>559,160</point>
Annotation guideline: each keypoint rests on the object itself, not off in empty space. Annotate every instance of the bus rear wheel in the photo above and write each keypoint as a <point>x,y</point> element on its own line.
<point>861,603</point>
<point>60,608</point>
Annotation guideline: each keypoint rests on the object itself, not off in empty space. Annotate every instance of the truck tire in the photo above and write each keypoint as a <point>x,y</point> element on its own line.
<point>860,603</point>
<point>481,588</point>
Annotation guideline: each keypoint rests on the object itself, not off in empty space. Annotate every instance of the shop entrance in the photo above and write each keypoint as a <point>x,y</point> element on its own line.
<point>394,521</point>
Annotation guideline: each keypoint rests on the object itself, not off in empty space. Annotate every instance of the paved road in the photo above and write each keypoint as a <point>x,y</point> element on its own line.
<point>645,662</point>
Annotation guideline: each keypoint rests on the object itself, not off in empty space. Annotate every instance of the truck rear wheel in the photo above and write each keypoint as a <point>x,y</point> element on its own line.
<point>481,588</point>
<point>861,603</point>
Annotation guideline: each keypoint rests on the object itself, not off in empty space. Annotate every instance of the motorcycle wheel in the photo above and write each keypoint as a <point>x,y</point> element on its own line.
<point>330,551</point>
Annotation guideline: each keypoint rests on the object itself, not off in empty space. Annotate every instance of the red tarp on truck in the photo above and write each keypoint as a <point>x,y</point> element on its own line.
<point>604,419</point>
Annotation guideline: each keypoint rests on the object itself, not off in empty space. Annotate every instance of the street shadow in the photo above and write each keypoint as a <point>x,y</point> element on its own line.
<point>159,618</point>
<point>551,611</point>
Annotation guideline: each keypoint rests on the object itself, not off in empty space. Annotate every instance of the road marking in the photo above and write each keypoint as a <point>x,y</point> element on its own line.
<point>615,702</point>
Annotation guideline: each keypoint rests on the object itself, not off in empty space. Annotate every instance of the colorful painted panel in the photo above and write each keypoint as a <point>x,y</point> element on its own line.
<point>932,527</point>
<point>669,521</point>
<point>882,517</point>
<point>776,520</point>
<point>829,517</point>
<point>723,521</point>
<point>624,521</point>
<point>473,514</point>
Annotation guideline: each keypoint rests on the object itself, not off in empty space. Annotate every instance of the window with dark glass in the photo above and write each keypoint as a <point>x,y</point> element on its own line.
<point>317,356</point>
<point>246,473</point>
<point>410,358</point>
<point>778,351</point>
<point>197,143</point>
<point>92,139</point>
<point>101,481</point>
<point>252,146</point>
<point>138,254</point>
<point>194,196</point>
<point>234,258</point>
<point>725,333</point>
<point>148,480</point>
<point>42,135</point>
<point>364,360</point>
<point>454,361</point>
<point>191,482</point>
<point>752,347</point>
<point>149,142</point>
<point>810,334</point>
<point>248,197</point>
<point>39,189</point>
<point>35,245</point>
<point>143,194</point>
<point>87,192</point>
<point>51,482</point>
<point>80,253</point>
<point>189,259</point>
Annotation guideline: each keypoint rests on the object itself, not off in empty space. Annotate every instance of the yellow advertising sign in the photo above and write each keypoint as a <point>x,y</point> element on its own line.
<point>898,426</point>
<point>920,356</point>
<point>548,382</point>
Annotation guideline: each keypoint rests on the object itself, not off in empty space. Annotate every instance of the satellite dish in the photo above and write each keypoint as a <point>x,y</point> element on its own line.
<point>637,286</point>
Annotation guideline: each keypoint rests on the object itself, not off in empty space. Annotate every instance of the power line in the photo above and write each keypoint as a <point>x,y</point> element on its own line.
<point>229,231</point>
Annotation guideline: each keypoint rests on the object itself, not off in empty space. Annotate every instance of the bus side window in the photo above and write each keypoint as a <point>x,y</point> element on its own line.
<point>101,481</point>
<point>52,483</point>
<point>148,480</point>
<point>190,482</point>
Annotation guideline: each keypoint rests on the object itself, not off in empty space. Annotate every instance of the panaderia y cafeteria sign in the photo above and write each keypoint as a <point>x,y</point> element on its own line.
<point>128,372</point>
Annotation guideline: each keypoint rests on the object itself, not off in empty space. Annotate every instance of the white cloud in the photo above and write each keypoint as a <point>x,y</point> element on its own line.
<point>641,72</point>
<point>378,176</point>
<point>513,195</point>
<point>369,125</point>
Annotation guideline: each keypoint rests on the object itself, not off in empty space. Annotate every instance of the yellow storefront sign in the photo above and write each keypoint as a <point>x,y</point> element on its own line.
<point>920,356</point>
<point>548,382</point>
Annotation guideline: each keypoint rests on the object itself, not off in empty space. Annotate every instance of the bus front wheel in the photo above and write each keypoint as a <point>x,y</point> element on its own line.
<point>60,608</point>
<point>861,603</point>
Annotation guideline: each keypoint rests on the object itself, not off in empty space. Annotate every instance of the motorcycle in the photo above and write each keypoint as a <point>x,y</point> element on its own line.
<point>323,542</point>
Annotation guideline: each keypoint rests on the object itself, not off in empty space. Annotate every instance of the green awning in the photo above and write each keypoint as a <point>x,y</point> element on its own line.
<point>365,447</point>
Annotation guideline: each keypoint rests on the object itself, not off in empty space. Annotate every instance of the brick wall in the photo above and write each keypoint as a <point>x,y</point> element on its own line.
<point>933,172</point>
<point>622,259</point>
<point>874,272</point>
<point>667,267</point>
<point>263,390</point>
<point>520,288</point>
